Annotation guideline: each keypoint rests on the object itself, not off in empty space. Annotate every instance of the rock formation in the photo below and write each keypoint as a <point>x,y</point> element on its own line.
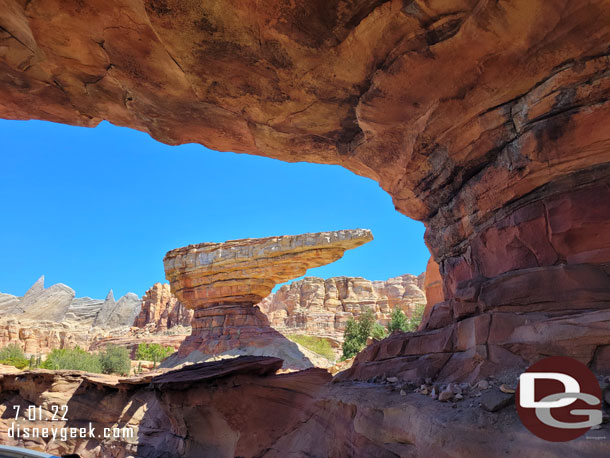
<point>223,281</point>
<point>241,407</point>
<point>40,337</point>
<point>319,307</point>
<point>486,121</point>
<point>58,304</point>
<point>38,303</point>
<point>48,318</point>
<point>8,302</point>
<point>84,310</point>
<point>161,309</point>
<point>114,314</point>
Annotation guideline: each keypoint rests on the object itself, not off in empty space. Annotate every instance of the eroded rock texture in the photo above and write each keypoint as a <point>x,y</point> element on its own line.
<point>319,307</point>
<point>240,407</point>
<point>486,120</point>
<point>161,310</point>
<point>51,318</point>
<point>222,282</point>
<point>48,318</point>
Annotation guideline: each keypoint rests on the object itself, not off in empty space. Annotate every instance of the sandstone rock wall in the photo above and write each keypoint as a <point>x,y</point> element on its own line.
<point>241,407</point>
<point>161,310</point>
<point>40,337</point>
<point>319,307</point>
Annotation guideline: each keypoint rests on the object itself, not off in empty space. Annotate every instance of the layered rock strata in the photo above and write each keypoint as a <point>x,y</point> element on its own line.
<point>161,310</point>
<point>116,314</point>
<point>222,282</point>
<point>241,407</point>
<point>319,307</point>
<point>533,284</point>
<point>40,303</point>
<point>488,121</point>
<point>48,318</point>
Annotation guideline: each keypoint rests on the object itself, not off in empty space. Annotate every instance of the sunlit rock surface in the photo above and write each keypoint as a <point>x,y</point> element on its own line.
<point>222,282</point>
<point>321,307</point>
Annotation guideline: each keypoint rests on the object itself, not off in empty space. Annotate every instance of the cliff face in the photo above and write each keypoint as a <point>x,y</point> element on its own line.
<point>161,309</point>
<point>319,307</point>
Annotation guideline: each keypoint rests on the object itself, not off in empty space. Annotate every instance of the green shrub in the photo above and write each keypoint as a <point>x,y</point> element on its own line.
<point>378,332</point>
<point>416,317</point>
<point>366,320</point>
<point>73,359</point>
<point>115,360</point>
<point>153,352</point>
<point>398,321</point>
<point>12,355</point>
<point>318,345</point>
<point>358,331</point>
<point>351,341</point>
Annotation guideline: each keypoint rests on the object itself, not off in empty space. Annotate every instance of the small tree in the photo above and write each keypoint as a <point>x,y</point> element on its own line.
<point>153,352</point>
<point>366,320</point>
<point>398,321</point>
<point>358,331</point>
<point>115,360</point>
<point>378,332</point>
<point>415,319</point>
<point>351,341</point>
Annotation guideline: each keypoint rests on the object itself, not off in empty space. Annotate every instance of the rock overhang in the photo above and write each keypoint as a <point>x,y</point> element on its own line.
<point>466,112</point>
<point>246,270</point>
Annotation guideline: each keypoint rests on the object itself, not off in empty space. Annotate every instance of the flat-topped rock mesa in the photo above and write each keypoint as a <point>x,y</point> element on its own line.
<point>321,307</point>
<point>223,281</point>
<point>161,310</point>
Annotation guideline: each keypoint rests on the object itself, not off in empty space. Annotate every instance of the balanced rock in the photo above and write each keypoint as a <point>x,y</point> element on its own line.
<point>223,281</point>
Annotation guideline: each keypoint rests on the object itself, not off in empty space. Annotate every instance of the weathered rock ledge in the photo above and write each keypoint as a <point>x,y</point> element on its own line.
<point>241,408</point>
<point>222,282</point>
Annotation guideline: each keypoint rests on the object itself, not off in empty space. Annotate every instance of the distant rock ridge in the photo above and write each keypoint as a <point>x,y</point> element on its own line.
<point>58,304</point>
<point>321,307</point>
<point>114,314</point>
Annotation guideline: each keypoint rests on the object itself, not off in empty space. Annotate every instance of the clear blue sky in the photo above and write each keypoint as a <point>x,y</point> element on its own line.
<point>98,208</point>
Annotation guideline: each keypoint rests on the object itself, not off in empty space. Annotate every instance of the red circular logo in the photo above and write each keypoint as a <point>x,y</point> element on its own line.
<point>558,399</point>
